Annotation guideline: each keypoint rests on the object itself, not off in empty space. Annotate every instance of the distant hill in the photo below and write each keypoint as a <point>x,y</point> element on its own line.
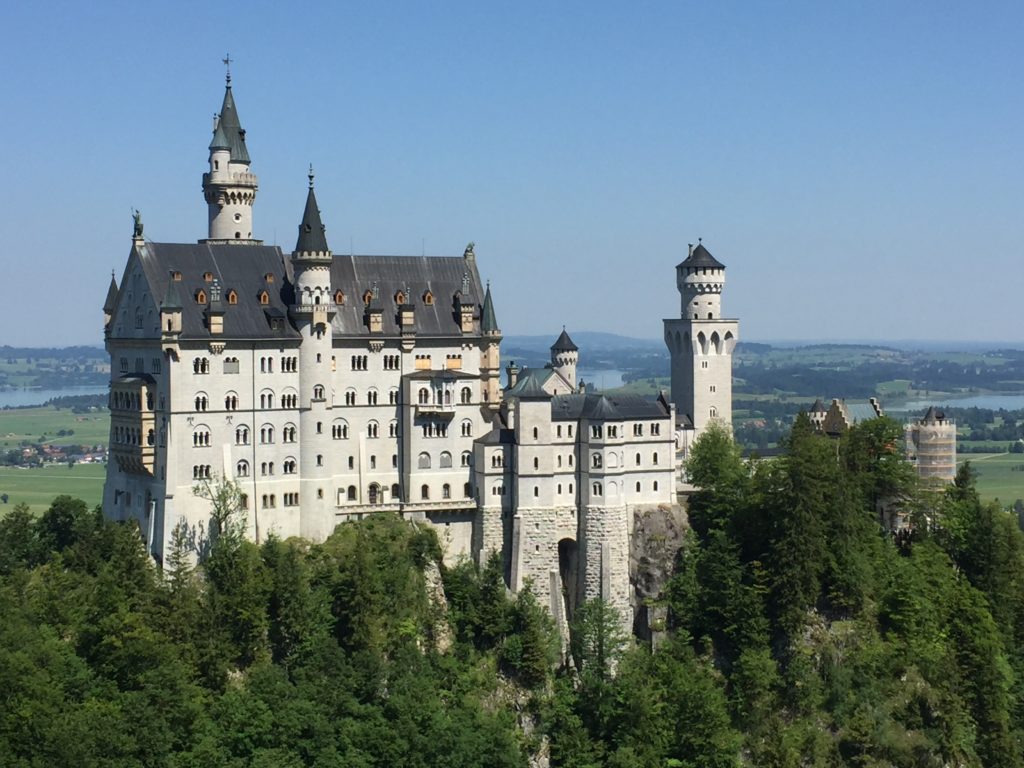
<point>592,341</point>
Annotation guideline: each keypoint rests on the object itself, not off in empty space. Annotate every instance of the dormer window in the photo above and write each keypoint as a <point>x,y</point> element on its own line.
<point>428,298</point>
<point>175,275</point>
<point>264,298</point>
<point>339,297</point>
<point>367,298</point>
<point>208,277</point>
<point>200,296</point>
<point>232,297</point>
<point>269,277</point>
<point>400,298</point>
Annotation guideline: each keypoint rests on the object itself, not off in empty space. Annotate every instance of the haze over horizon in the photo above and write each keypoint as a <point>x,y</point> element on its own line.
<point>853,168</point>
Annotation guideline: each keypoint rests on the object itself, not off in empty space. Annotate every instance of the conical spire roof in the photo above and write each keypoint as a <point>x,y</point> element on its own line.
<point>108,305</point>
<point>232,128</point>
<point>701,257</point>
<point>312,232</point>
<point>220,139</point>
<point>488,322</point>
<point>564,344</point>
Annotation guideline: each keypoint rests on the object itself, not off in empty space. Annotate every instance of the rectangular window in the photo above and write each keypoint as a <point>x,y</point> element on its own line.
<point>124,365</point>
<point>155,364</point>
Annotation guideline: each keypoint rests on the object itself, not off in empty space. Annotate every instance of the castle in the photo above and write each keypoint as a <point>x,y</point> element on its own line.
<point>329,387</point>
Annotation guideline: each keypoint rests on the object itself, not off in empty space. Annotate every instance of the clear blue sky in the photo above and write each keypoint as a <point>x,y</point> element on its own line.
<point>857,166</point>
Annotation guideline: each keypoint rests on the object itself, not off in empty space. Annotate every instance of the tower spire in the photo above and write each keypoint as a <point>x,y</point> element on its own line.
<point>229,186</point>
<point>312,232</point>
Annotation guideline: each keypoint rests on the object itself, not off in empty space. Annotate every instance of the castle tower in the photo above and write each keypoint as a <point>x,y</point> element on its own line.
<point>312,311</point>
<point>490,366</point>
<point>228,186</point>
<point>701,343</point>
<point>564,356</point>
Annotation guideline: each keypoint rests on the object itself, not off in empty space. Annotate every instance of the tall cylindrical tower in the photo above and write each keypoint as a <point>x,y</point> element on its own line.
<point>229,187</point>
<point>312,312</point>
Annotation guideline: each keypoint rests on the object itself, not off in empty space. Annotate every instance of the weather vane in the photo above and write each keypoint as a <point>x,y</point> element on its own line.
<point>227,65</point>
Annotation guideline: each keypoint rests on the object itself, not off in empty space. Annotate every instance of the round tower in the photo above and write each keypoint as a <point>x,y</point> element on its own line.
<point>700,279</point>
<point>564,357</point>
<point>229,187</point>
<point>312,311</point>
<point>701,344</point>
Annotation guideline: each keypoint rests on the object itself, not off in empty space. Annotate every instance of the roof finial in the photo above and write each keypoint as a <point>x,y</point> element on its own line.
<point>311,174</point>
<point>227,65</point>
<point>700,240</point>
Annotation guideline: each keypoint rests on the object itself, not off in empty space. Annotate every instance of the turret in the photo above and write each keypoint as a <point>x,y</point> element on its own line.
<point>490,342</point>
<point>564,356</point>
<point>111,303</point>
<point>312,313</point>
<point>228,186</point>
<point>700,278</point>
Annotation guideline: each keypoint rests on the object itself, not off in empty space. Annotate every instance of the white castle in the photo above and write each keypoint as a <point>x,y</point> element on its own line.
<point>331,386</point>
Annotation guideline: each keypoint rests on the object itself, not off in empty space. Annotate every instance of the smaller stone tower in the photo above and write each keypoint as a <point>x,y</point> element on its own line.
<point>701,343</point>
<point>490,366</point>
<point>564,356</point>
<point>312,311</point>
<point>228,186</point>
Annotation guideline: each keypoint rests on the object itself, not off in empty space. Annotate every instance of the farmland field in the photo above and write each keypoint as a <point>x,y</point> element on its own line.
<point>37,487</point>
<point>1000,475</point>
<point>17,424</point>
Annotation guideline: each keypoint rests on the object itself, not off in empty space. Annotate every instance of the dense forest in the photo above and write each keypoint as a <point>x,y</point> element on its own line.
<point>799,633</point>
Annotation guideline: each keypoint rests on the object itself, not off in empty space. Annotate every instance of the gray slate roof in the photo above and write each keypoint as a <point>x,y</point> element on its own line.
<point>530,384</point>
<point>241,268</point>
<point>440,275</point>
<point>605,407</point>
<point>701,257</point>
<point>111,301</point>
<point>564,344</point>
<point>488,322</point>
<point>860,412</point>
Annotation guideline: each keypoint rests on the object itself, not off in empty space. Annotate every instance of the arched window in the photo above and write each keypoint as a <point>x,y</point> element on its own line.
<point>467,490</point>
<point>371,397</point>
<point>558,459</point>
<point>445,460</point>
<point>318,392</point>
<point>242,468</point>
<point>423,396</point>
<point>467,395</point>
<point>339,429</point>
<point>374,494</point>
<point>231,402</point>
<point>595,461</point>
<point>536,434</point>
<point>242,436</point>
<point>372,429</point>
<point>425,492</point>
<point>351,493</point>
<point>655,485</point>
<point>467,458</point>
<point>423,461</point>
<point>536,463</point>
<point>289,466</point>
<point>597,489</point>
<point>654,458</point>
<point>536,491</point>
<point>638,487</point>
<point>201,401</point>
<point>714,412</point>
<point>467,428</point>
<point>394,492</point>
<point>266,434</point>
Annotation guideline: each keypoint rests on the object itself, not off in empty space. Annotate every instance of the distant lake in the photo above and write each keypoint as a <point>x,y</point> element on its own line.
<point>28,396</point>
<point>606,378</point>
<point>995,402</point>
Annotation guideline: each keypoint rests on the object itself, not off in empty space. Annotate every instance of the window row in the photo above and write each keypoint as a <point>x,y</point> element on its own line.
<point>423,461</point>
<point>131,436</point>
<point>130,401</point>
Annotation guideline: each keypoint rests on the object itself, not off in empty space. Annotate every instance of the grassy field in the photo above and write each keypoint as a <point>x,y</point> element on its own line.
<point>1000,475</point>
<point>17,424</point>
<point>38,487</point>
